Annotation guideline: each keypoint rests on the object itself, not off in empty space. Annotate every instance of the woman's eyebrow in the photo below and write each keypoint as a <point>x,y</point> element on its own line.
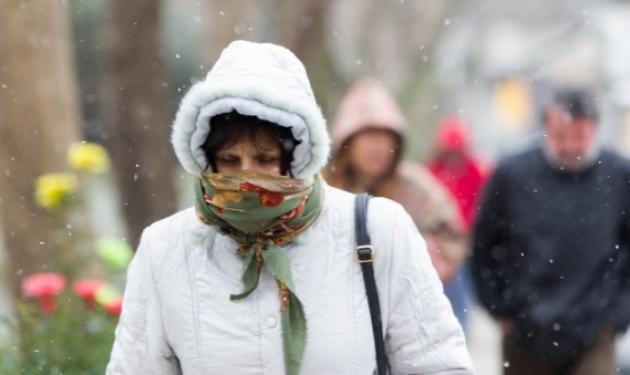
<point>272,152</point>
<point>228,153</point>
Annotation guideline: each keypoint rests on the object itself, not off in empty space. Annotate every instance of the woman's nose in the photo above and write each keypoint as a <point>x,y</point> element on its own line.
<point>247,164</point>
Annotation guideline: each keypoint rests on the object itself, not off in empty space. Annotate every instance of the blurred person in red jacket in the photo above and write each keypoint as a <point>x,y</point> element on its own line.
<point>455,166</point>
<point>367,157</point>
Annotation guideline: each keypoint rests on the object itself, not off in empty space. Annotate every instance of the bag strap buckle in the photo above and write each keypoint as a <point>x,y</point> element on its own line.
<point>364,253</point>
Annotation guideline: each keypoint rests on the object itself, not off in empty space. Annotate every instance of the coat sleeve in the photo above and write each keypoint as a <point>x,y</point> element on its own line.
<point>490,244</point>
<point>140,345</point>
<point>423,335</point>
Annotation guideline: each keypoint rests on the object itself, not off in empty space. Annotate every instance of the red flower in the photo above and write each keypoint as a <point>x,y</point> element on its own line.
<point>114,306</point>
<point>297,211</point>
<point>247,186</point>
<point>44,286</point>
<point>86,289</point>
<point>266,197</point>
<point>270,198</point>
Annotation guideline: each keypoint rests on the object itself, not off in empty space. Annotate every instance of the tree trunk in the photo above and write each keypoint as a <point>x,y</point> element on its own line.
<point>228,20</point>
<point>135,111</point>
<point>39,118</point>
<point>302,26</point>
<point>304,31</point>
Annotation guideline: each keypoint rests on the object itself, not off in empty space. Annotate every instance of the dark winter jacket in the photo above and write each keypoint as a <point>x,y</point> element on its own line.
<point>551,251</point>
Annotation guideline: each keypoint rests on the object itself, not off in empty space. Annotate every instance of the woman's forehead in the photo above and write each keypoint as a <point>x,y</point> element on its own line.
<point>262,144</point>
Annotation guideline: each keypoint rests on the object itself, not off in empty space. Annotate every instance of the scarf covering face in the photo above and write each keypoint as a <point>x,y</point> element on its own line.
<point>261,213</point>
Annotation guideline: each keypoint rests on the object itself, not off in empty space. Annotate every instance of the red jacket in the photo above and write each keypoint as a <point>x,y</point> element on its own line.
<point>454,165</point>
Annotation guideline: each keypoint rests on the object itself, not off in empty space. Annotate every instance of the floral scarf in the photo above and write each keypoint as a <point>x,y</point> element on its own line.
<point>263,212</point>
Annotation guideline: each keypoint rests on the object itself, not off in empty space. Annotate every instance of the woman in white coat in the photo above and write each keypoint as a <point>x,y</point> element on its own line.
<point>261,276</point>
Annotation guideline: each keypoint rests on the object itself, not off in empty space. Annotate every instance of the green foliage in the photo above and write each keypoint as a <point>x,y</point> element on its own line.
<point>76,337</point>
<point>116,253</point>
<point>73,340</point>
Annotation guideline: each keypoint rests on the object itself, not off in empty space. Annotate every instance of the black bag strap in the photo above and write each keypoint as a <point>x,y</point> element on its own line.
<point>365,257</point>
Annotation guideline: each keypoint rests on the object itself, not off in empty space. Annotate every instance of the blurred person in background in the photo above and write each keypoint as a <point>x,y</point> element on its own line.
<point>464,175</point>
<point>551,243</point>
<point>454,164</point>
<point>368,136</point>
<point>262,275</point>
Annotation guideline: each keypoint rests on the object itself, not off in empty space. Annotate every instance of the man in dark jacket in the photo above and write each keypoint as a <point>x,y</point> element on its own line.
<point>551,247</point>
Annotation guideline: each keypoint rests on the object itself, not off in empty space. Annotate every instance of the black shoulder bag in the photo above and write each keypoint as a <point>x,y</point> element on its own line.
<point>365,257</point>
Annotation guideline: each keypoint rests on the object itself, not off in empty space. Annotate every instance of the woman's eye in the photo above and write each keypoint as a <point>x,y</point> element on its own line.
<point>267,159</point>
<point>227,159</point>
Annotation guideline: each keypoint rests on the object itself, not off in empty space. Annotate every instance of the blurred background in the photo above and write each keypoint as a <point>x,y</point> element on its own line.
<point>76,75</point>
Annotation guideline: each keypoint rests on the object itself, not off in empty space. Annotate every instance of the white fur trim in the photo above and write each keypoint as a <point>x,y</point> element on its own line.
<point>262,80</point>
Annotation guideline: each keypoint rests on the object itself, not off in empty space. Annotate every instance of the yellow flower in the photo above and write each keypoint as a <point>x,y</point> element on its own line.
<point>89,157</point>
<point>52,189</point>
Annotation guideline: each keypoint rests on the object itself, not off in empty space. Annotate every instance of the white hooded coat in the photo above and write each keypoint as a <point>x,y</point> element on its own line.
<point>177,317</point>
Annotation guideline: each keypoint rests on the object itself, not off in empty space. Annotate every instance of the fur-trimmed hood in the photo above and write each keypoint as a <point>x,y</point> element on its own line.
<point>253,79</point>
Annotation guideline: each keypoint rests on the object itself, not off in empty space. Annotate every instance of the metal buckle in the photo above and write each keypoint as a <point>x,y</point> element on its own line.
<point>364,253</point>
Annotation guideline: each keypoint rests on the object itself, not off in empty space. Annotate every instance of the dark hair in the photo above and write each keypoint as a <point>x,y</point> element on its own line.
<point>230,128</point>
<point>579,103</point>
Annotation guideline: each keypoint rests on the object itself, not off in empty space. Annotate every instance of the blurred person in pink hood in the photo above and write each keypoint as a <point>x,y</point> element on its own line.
<point>368,145</point>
